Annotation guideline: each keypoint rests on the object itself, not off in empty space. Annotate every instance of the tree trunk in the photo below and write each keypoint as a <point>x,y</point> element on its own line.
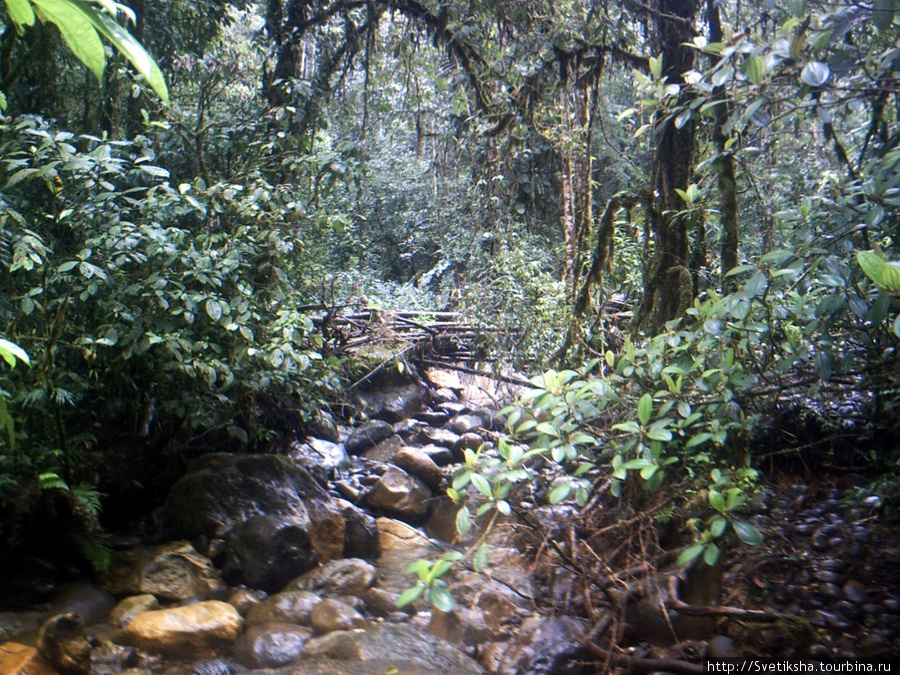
<point>669,289</point>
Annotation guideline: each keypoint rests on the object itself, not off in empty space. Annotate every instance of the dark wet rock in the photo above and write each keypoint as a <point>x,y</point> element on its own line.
<point>385,450</point>
<point>827,576</point>
<point>540,646</point>
<point>223,490</point>
<point>392,403</point>
<point>63,643</point>
<point>443,437</point>
<point>468,441</point>
<point>830,591</point>
<point>198,631</point>
<point>291,606</point>
<point>442,522</point>
<point>392,643</point>
<point>433,417</point>
<point>319,454</point>
<point>819,542</point>
<point>83,598</point>
<point>441,455</point>
<point>360,532</point>
<point>324,426</point>
<point>452,408</point>
<point>721,647</point>
<point>400,495</point>
<point>14,624</point>
<point>876,645</point>
<point>419,463</point>
<point>847,610</point>
<point>407,429</point>
<point>130,607</point>
<point>855,593</point>
<point>871,608</point>
<point>350,576</point>
<point>173,571</point>
<point>268,551</point>
<point>332,615</point>
<point>271,645</point>
<point>380,602</point>
<point>368,435</point>
<point>462,626</point>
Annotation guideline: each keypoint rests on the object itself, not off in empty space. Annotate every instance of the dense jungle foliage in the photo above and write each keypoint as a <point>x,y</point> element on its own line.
<point>684,214</point>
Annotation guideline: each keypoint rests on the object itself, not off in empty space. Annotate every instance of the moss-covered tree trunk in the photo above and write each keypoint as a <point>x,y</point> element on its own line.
<point>669,288</point>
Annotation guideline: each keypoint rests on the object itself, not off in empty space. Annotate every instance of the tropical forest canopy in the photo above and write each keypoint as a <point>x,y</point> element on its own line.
<point>687,209</point>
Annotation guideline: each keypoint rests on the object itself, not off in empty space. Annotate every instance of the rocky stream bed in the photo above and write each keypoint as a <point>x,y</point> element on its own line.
<point>293,563</point>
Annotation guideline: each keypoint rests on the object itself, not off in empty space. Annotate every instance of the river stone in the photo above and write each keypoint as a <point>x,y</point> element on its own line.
<point>433,417</point>
<point>392,642</point>
<point>270,645</point>
<point>444,395</point>
<point>350,576</point>
<point>222,490</point>
<point>268,551</point>
<point>398,494</point>
<point>63,643</point>
<point>291,606</point>
<point>418,463</point>
<point>19,659</point>
<point>463,424</point>
<point>392,403</point>
<point>367,435</point>
<point>245,599</point>
<point>408,428</point>
<point>83,598</point>
<point>396,535</point>
<point>360,533</point>
<point>540,646</point>
<point>195,631</point>
<point>462,626</point>
<point>333,615</point>
<point>385,450</point>
<point>443,437</point>
<point>468,441</point>
<point>130,607</point>
<point>439,454</point>
<point>319,454</point>
<point>173,571</point>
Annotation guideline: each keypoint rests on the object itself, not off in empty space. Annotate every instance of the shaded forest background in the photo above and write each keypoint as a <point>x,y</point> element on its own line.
<point>687,209</point>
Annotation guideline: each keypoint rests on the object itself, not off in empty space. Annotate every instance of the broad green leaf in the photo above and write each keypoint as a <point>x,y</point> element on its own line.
<point>891,277</point>
<point>883,12</point>
<point>630,427</point>
<point>559,493</point>
<point>463,521</point>
<point>711,554</point>
<point>717,526</point>
<point>481,558</point>
<point>410,594</point>
<point>77,30</point>
<point>649,471</point>
<point>872,264</point>
<point>815,73</point>
<point>11,352</point>
<point>125,44</point>
<point>690,553</point>
<point>213,309</point>
<point>747,533</point>
<point>755,69</point>
<point>659,434</point>
<point>717,500</point>
<point>441,599</point>
<point>481,484</point>
<point>21,13</point>
<point>645,409</point>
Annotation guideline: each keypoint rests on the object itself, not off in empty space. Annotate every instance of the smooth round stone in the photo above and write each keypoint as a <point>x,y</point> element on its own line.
<point>827,576</point>
<point>333,615</point>
<point>871,608</point>
<point>721,647</point>
<point>891,604</point>
<point>819,542</point>
<point>834,542</point>
<point>833,564</point>
<point>271,645</point>
<point>847,610</point>
<point>854,593</point>
<point>802,529</point>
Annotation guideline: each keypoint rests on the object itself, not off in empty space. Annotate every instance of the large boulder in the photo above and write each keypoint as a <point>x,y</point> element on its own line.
<point>19,659</point>
<point>405,646</point>
<point>268,551</point>
<point>541,646</point>
<point>63,643</point>
<point>222,490</point>
<point>173,571</point>
<point>270,645</point>
<point>398,494</point>
<point>198,631</point>
<point>321,455</point>
<point>350,576</point>
<point>392,403</point>
<point>289,606</point>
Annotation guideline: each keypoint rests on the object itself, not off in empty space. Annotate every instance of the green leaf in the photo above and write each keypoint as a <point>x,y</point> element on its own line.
<point>883,12</point>
<point>717,526</point>
<point>410,594</point>
<point>747,533</point>
<point>123,42</point>
<point>481,484</point>
<point>559,493</point>
<point>547,429</point>
<point>21,13</point>
<point>77,30</point>
<point>11,353</point>
<point>463,521</point>
<point>482,556</point>
<point>629,427</point>
<point>755,69</point>
<point>690,553</point>
<point>441,599</point>
<point>815,73</point>
<point>711,554</point>
<point>717,500</point>
<point>213,309</point>
<point>645,409</point>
